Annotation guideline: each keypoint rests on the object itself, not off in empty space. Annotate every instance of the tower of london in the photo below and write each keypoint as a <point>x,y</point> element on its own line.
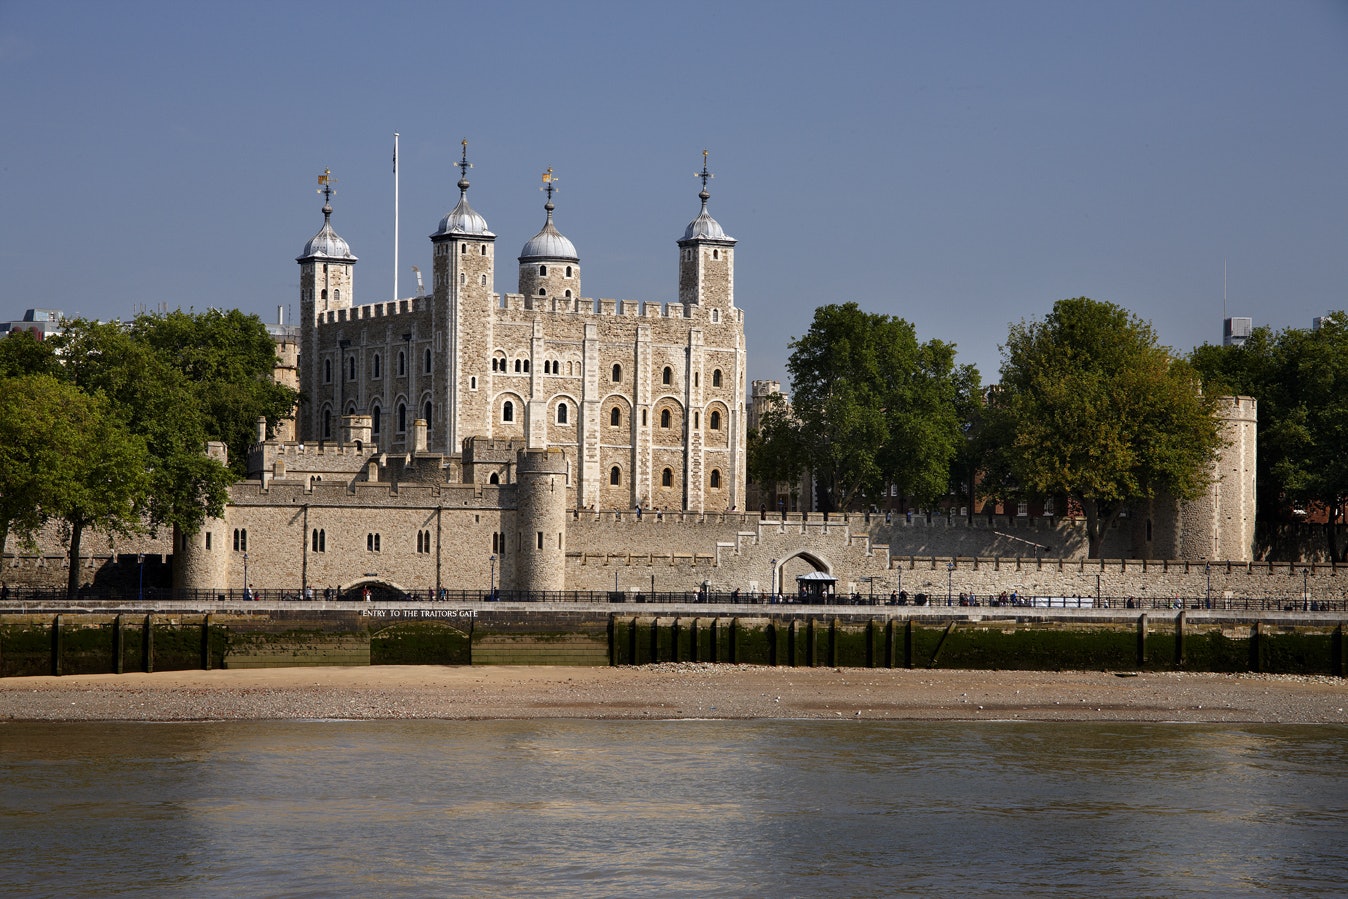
<point>644,400</point>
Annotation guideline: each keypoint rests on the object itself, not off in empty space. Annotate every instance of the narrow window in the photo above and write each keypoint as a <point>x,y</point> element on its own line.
<point>519,365</point>
<point>426,413</point>
<point>375,365</point>
<point>508,411</point>
<point>484,280</point>
<point>715,420</point>
<point>716,378</point>
<point>617,373</point>
<point>615,476</point>
<point>428,360</point>
<point>568,274</point>
<point>643,418</point>
<point>561,413</point>
<point>327,371</point>
<point>241,540</point>
<point>402,418</point>
<point>664,418</point>
<point>472,383</point>
<point>327,423</point>
<point>324,294</point>
<point>402,364</point>
<point>716,254</point>
<point>376,417</point>
<point>463,279</point>
<point>463,249</point>
<point>667,478</point>
<point>615,417</point>
<point>208,539</point>
<point>540,539</point>
<point>484,250</point>
<point>351,369</point>
<point>667,376</point>
<point>716,479</point>
<point>543,271</point>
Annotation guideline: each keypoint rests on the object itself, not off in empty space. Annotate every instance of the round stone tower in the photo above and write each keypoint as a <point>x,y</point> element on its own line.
<point>201,560</point>
<point>540,519</point>
<point>549,266</point>
<point>1220,524</point>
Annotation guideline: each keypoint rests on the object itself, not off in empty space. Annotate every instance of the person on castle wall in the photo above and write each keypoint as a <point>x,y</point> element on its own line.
<point>660,514</point>
<point>365,593</point>
<point>4,592</point>
<point>638,511</point>
<point>309,593</point>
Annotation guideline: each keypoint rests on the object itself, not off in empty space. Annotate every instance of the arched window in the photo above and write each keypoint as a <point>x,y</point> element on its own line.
<point>667,478</point>
<point>716,378</point>
<point>426,413</point>
<point>543,271</point>
<point>714,420</point>
<point>615,476</point>
<point>428,360</point>
<point>402,418</point>
<point>324,294</point>
<point>568,271</point>
<point>463,249</point>
<point>617,373</point>
<point>716,254</point>
<point>402,364</point>
<point>664,418</point>
<point>508,411</point>
<point>519,365</point>
<point>667,376</point>
<point>542,292</point>
<point>320,540</point>
<point>716,479</point>
<point>484,280</point>
<point>561,413</point>
<point>327,423</point>
<point>375,365</point>
<point>526,364</point>
<point>615,417</point>
<point>484,250</point>
<point>567,294</point>
<point>716,315</point>
<point>494,479</point>
<point>327,371</point>
<point>351,369</point>
<point>376,417</point>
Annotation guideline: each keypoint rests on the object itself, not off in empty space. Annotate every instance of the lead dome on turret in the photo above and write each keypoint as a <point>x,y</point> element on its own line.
<point>463,219</point>
<point>327,244</point>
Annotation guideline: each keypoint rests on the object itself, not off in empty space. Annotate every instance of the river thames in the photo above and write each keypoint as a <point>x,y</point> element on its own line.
<point>660,808</point>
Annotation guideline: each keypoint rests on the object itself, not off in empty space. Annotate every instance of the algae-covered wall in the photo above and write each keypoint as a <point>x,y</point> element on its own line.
<point>95,643</point>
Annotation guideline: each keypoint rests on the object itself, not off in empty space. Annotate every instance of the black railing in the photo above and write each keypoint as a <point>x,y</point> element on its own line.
<point>13,596</point>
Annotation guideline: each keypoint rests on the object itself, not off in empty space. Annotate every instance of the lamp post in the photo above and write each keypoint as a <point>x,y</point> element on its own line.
<point>140,589</point>
<point>949,582</point>
<point>247,592</point>
<point>772,580</point>
<point>492,594</point>
<point>1207,600</point>
<point>1097,591</point>
<point>1305,589</point>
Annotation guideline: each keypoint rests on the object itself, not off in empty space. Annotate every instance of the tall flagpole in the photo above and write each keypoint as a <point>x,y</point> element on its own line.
<point>395,215</point>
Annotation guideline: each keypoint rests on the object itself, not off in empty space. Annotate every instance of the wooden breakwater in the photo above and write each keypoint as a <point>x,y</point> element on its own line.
<point>95,642</point>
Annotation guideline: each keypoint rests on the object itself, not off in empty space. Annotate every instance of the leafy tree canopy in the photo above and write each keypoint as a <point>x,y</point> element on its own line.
<point>870,407</point>
<point>1300,378</point>
<point>1090,406</point>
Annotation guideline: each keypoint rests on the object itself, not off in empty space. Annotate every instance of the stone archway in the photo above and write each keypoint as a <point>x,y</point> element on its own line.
<point>796,565</point>
<point>380,591</point>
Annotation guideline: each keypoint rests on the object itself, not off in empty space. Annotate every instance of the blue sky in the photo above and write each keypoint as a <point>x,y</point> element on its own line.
<point>962,165</point>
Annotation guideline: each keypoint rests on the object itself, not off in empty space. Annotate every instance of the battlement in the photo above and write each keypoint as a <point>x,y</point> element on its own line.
<point>381,309</point>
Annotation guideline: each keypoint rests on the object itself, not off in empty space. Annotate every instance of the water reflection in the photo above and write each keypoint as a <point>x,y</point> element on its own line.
<point>687,807</point>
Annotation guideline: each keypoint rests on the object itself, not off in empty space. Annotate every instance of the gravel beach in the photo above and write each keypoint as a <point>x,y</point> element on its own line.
<point>673,691</point>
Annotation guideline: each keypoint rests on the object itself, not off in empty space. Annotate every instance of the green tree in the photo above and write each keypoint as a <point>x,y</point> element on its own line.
<point>23,354</point>
<point>1090,406</point>
<point>227,358</point>
<point>155,401</point>
<point>65,455</point>
<point>1300,378</point>
<point>870,407</point>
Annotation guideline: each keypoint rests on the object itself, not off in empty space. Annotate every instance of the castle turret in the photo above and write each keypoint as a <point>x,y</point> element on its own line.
<point>549,266</point>
<point>464,277</point>
<point>706,258</point>
<point>540,521</point>
<point>327,284</point>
